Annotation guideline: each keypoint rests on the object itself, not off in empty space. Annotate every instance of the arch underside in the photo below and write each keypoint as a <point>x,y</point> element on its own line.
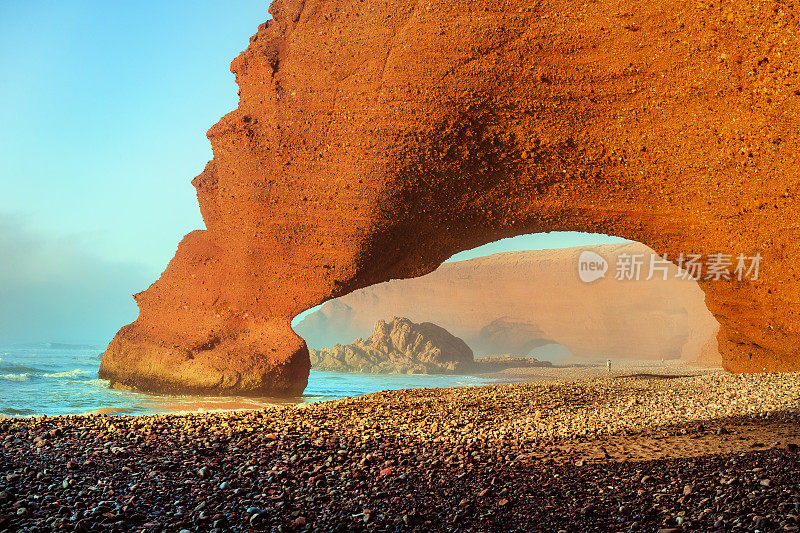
<point>373,140</point>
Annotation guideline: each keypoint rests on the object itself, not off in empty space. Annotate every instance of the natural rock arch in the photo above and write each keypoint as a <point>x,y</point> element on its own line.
<point>375,139</point>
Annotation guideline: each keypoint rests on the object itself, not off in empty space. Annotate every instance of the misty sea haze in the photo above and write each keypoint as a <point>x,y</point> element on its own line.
<point>49,379</point>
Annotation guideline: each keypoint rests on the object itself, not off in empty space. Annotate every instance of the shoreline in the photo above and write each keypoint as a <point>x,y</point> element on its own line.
<point>610,454</point>
<point>88,396</point>
<point>577,369</point>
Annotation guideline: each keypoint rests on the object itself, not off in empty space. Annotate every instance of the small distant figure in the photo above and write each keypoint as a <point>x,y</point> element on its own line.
<point>608,364</point>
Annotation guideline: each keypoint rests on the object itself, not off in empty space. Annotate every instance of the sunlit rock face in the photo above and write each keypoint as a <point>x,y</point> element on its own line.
<point>514,302</point>
<point>398,346</point>
<point>374,139</point>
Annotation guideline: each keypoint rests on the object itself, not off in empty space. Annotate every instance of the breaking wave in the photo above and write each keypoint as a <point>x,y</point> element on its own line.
<point>67,374</point>
<point>19,378</point>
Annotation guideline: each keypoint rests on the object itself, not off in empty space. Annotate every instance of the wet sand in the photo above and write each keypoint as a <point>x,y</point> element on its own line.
<point>715,452</point>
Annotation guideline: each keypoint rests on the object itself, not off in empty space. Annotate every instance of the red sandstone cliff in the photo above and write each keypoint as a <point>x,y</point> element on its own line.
<point>516,301</point>
<point>373,139</point>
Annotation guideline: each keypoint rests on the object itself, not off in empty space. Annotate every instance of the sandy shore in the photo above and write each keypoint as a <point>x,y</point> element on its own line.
<point>716,452</point>
<point>572,369</point>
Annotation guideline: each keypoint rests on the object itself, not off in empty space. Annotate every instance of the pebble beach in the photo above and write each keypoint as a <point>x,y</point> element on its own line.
<point>713,452</point>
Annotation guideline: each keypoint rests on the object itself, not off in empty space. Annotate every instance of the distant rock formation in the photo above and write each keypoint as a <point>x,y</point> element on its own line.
<point>398,346</point>
<point>515,302</point>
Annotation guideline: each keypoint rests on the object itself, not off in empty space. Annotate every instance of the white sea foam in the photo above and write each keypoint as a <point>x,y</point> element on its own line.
<point>17,377</point>
<point>67,374</point>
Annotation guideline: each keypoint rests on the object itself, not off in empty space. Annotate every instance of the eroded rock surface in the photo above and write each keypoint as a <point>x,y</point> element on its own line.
<point>398,346</point>
<point>374,139</point>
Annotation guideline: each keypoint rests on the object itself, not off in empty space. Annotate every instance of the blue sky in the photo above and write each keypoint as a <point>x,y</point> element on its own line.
<point>105,109</point>
<point>537,241</point>
<point>105,105</point>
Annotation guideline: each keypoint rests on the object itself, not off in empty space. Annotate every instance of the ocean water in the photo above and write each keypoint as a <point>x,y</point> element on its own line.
<point>45,379</point>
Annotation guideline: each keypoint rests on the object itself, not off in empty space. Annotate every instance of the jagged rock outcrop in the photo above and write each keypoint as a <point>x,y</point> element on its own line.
<point>374,139</point>
<point>513,302</point>
<point>398,346</point>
